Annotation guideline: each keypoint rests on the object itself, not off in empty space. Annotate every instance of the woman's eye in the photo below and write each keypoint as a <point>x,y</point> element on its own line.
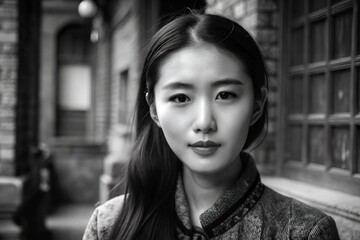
<point>180,98</point>
<point>225,95</point>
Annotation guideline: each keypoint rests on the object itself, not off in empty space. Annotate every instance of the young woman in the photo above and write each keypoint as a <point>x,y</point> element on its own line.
<point>202,102</point>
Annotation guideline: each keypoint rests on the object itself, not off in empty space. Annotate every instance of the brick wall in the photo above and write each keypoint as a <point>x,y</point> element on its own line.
<point>125,56</point>
<point>19,45</point>
<point>18,83</point>
<point>8,77</point>
<point>102,85</point>
<point>260,18</point>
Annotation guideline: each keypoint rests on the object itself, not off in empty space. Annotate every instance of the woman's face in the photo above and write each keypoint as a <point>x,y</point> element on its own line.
<point>204,101</point>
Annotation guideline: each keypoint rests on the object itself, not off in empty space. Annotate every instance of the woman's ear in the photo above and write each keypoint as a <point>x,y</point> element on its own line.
<point>259,106</point>
<point>152,108</point>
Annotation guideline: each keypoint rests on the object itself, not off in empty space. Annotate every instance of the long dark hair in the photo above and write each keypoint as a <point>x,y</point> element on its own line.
<point>149,206</point>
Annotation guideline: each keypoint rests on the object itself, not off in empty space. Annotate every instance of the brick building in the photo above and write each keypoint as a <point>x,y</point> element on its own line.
<point>312,49</point>
<point>19,86</point>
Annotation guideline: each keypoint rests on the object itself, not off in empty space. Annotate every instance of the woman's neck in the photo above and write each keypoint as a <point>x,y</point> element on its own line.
<point>203,190</point>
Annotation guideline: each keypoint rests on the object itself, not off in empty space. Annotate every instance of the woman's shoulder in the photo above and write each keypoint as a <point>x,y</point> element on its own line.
<point>297,218</point>
<point>289,206</point>
<point>110,207</point>
<point>103,218</point>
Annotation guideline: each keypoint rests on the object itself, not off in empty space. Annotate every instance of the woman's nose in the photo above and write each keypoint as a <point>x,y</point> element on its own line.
<point>204,120</point>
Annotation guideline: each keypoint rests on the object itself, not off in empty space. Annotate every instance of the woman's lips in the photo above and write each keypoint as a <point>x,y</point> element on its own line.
<point>205,148</point>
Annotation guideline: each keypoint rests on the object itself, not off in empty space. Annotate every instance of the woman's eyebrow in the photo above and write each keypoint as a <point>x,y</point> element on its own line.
<point>177,85</point>
<point>229,81</point>
<point>219,83</point>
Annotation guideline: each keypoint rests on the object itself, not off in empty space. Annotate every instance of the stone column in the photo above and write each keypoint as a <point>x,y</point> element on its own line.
<point>114,164</point>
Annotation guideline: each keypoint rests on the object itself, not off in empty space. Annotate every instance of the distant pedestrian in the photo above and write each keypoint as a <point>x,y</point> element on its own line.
<point>202,103</point>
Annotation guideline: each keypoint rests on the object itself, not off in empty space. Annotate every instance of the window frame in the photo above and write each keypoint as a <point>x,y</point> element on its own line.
<point>84,58</point>
<point>322,175</point>
<point>123,100</point>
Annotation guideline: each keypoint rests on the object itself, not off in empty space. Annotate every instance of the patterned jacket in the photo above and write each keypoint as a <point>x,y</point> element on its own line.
<point>247,210</point>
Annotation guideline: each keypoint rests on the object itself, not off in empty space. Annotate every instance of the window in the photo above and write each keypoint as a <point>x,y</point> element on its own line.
<point>321,63</point>
<point>123,97</point>
<point>74,81</point>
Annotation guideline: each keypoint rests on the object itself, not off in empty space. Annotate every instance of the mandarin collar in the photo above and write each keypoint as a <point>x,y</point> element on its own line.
<point>229,209</point>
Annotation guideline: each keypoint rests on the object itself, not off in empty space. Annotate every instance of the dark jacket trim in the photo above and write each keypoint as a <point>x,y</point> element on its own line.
<point>184,230</point>
<point>237,211</point>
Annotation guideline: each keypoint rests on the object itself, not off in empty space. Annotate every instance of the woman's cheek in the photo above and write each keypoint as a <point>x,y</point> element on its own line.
<point>173,132</point>
<point>169,121</point>
<point>235,123</point>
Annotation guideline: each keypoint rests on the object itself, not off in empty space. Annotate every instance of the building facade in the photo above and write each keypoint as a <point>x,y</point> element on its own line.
<point>79,99</point>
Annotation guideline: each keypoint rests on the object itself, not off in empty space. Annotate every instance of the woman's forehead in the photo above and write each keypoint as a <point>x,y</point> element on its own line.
<point>200,63</point>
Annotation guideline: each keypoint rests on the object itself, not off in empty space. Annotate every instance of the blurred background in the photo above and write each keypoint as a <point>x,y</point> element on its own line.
<point>69,73</point>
